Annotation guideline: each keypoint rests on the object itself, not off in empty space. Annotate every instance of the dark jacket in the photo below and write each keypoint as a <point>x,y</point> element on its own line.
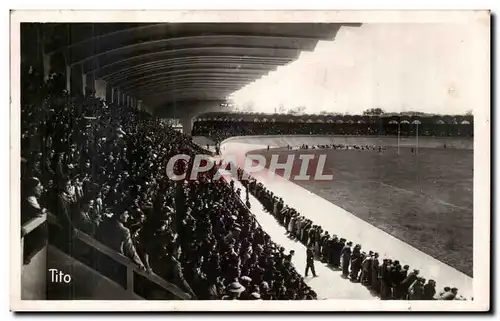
<point>310,254</point>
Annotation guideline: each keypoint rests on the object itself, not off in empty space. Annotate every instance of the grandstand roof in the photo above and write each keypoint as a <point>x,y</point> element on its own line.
<point>160,63</point>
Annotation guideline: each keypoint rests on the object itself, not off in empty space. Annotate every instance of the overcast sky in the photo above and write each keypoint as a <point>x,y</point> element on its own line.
<point>435,68</point>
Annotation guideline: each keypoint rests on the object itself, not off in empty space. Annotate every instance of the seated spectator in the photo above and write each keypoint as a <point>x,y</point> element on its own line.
<point>113,233</point>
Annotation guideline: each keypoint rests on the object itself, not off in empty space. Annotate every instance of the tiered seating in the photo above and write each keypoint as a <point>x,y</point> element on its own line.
<point>100,168</point>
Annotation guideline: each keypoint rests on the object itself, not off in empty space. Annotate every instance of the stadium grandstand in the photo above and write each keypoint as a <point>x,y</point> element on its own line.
<point>223,125</point>
<point>96,199</point>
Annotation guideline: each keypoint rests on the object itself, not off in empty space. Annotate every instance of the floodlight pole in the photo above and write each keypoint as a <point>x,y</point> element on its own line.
<point>398,135</point>
<point>417,137</point>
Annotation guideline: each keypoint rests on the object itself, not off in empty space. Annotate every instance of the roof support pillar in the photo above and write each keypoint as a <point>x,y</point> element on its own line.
<point>47,68</point>
<point>76,80</point>
<point>88,83</point>
<point>187,124</point>
<point>68,79</point>
<point>116,96</point>
<point>100,88</point>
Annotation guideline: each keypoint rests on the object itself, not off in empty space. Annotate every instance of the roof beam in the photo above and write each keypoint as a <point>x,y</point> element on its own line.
<point>185,66</point>
<point>105,71</point>
<point>172,53</point>
<point>295,43</point>
<point>317,31</point>
<point>190,73</point>
<point>233,85</point>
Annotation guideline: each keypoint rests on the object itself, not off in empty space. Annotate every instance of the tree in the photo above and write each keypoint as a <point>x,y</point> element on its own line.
<point>469,112</point>
<point>248,107</point>
<point>373,112</point>
<point>299,110</point>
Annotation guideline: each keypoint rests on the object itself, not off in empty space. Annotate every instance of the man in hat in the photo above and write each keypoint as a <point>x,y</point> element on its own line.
<point>396,279</point>
<point>310,261</point>
<point>345,255</point>
<point>233,291</point>
<point>32,192</point>
<point>337,247</point>
<point>30,208</point>
<point>416,290</point>
<point>264,291</point>
<point>385,280</point>
<point>429,290</point>
<point>169,268</point>
<point>449,295</point>
<point>356,261</point>
<point>246,281</point>
<point>115,235</point>
<point>375,285</point>
<point>325,242</point>
<point>255,296</point>
<point>412,277</point>
<point>288,258</point>
<point>366,273</point>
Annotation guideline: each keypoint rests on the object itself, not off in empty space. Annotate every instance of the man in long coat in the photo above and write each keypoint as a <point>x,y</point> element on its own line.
<point>375,274</point>
<point>345,255</point>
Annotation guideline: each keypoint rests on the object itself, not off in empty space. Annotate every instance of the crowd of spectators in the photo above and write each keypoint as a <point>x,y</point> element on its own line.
<point>341,147</point>
<point>389,279</point>
<point>100,168</point>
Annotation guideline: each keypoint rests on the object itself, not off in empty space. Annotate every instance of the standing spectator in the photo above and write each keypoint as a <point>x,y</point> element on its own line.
<point>310,261</point>
<point>115,235</point>
<point>429,290</point>
<point>416,290</point>
<point>366,273</point>
<point>30,207</point>
<point>407,282</point>
<point>449,295</point>
<point>345,255</point>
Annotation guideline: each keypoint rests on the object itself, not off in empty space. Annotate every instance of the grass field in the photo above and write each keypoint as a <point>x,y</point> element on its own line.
<point>424,200</point>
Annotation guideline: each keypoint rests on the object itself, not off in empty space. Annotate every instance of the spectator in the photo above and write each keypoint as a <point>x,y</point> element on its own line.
<point>310,261</point>
<point>429,290</point>
<point>233,291</point>
<point>113,233</point>
<point>449,295</point>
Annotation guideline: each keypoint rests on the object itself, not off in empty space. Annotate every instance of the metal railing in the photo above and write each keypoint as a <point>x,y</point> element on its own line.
<point>130,266</point>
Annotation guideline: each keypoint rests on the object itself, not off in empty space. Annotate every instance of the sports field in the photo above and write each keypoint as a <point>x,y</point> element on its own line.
<point>424,200</point>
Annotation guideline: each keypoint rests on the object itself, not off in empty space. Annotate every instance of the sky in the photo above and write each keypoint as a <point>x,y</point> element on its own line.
<point>427,67</point>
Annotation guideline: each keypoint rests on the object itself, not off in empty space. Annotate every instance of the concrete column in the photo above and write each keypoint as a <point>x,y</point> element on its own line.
<point>187,124</point>
<point>68,79</point>
<point>84,82</point>
<point>139,105</point>
<point>46,66</point>
<point>116,96</point>
<point>100,88</point>
<point>109,92</point>
<point>76,80</point>
<point>89,83</point>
